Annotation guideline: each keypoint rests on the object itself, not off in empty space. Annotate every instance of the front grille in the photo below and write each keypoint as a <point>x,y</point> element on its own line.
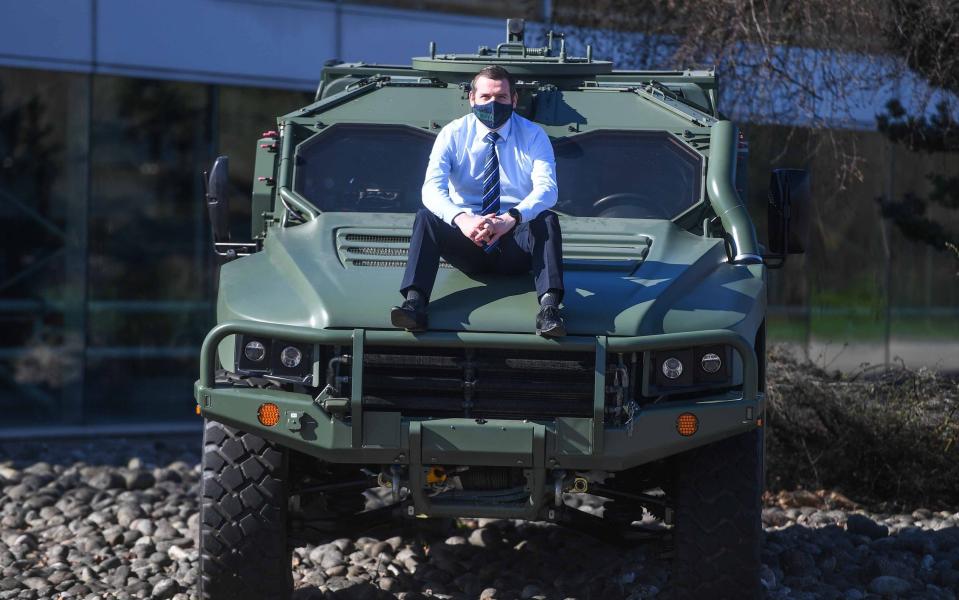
<point>493,383</point>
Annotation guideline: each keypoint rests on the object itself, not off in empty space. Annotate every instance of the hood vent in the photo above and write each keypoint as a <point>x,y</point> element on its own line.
<point>370,248</point>
<point>581,251</point>
<point>376,239</point>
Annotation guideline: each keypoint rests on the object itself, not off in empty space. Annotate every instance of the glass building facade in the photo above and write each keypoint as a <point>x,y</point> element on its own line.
<point>106,279</point>
<point>106,275</point>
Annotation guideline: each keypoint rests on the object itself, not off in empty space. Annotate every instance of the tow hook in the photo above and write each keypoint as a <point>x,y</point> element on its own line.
<point>580,485</point>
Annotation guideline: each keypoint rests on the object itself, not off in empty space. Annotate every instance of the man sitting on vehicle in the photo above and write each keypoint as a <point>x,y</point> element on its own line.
<point>489,184</point>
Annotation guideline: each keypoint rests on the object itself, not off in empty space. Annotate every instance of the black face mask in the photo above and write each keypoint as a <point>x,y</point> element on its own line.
<point>493,114</point>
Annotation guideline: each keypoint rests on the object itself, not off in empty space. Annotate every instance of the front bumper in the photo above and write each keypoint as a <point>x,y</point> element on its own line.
<point>538,447</point>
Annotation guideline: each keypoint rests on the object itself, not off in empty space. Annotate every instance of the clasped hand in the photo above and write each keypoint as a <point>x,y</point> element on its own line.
<point>484,229</point>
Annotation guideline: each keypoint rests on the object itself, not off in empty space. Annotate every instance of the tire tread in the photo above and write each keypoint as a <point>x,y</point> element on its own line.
<point>243,513</point>
<point>718,519</point>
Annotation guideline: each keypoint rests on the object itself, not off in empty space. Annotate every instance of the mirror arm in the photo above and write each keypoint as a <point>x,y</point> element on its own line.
<point>292,201</point>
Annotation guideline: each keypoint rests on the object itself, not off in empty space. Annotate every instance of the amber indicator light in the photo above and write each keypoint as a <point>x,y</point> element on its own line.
<point>268,414</point>
<point>687,424</point>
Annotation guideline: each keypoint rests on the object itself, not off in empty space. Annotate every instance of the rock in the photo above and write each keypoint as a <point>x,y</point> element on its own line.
<point>114,535</point>
<point>27,540</point>
<point>331,558</point>
<point>107,480</point>
<point>774,517</point>
<point>948,578</point>
<point>76,540</point>
<point>767,577</point>
<point>915,541</point>
<point>387,584</point>
<point>337,571</point>
<point>877,565</point>
<point>143,526</point>
<point>164,589</point>
<point>381,548</point>
<point>18,492</point>
<point>128,513</point>
<point>530,591</point>
<point>165,531</point>
<point>130,536</point>
<point>796,562</point>
<point>862,525</point>
<point>138,480</point>
<point>178,554</point>
<point>395,542</point>
<point>36,583</point>
<point>9,473</point>
<point>888,585</point>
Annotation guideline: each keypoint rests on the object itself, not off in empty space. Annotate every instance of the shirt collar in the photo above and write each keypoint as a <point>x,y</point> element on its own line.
<point>503,131</point>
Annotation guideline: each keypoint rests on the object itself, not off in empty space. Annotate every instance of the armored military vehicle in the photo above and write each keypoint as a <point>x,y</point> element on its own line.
<point>654,400</point>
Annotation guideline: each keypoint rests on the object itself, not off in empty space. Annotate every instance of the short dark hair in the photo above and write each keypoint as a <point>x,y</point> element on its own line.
<point>496,73</point>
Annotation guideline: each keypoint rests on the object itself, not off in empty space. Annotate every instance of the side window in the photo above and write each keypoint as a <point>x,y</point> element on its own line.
<point>363,168</point>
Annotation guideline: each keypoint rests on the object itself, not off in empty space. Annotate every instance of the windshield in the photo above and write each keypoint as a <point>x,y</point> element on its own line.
<point>628,174</point>
<point>617,174</point>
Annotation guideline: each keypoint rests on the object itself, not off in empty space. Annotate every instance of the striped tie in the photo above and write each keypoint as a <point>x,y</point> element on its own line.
<point>491,177</point>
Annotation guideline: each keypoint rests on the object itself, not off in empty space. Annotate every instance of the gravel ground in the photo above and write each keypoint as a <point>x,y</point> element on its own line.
<point>118,519</point>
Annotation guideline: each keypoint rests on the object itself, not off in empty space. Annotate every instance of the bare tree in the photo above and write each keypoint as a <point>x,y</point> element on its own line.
<point>817,64</point>
<point>820,65</point>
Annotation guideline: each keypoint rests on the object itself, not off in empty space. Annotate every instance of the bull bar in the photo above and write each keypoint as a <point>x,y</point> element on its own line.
<point>536,446</point>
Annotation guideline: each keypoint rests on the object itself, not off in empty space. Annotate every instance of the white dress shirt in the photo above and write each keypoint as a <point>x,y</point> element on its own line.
<point>527,169</point>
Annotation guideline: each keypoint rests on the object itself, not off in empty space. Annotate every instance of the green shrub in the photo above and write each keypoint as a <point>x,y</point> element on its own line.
<point>882,436</point>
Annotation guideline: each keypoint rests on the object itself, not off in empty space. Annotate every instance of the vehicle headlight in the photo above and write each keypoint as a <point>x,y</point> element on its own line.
<point>672,367</point>
<point>291,357</point>
<point>265,357</point>
<point>711,362</point>
<point>689,369</point>
<point>255,351</point>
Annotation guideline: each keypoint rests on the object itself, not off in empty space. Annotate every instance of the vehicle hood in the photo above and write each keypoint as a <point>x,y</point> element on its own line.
<point>623,277</point>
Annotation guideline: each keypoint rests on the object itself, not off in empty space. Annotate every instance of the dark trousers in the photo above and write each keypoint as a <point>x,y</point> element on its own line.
<point>535,246</point>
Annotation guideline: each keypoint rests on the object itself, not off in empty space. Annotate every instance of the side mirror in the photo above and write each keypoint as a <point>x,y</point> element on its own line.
<point>217,199</point>
<point>789,200</point>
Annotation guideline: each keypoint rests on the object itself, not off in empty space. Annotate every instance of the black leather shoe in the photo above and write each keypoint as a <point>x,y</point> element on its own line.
<point>409,316</point>
<point>549,323</point>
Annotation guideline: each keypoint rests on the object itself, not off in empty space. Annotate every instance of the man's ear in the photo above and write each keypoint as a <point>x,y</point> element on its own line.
<point>472,98</point>
<point>515,99</point>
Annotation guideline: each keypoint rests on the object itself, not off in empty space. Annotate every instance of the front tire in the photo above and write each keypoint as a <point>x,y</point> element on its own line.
<point>243,517</point>
<point>718,527</point>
